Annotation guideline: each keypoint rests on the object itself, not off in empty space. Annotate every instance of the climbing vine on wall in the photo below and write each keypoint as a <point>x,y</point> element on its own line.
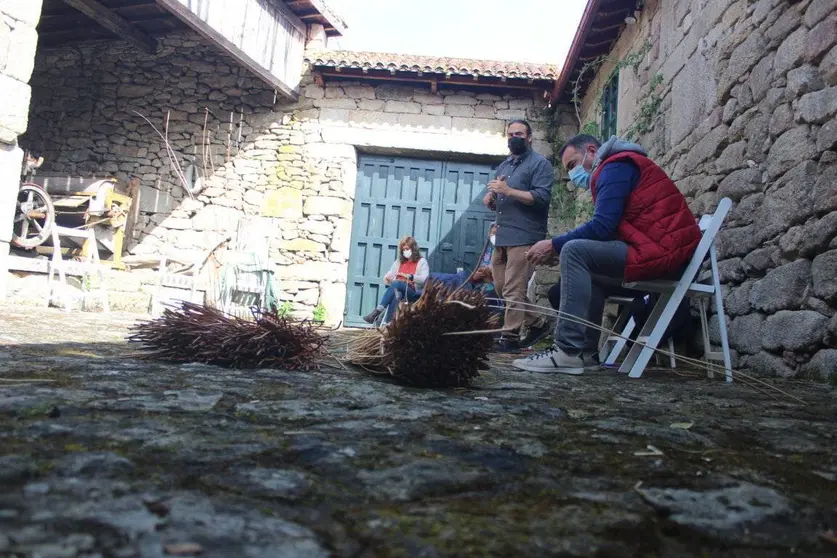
<point>632,60</point>
<point>649,107</point>
<point>569,206</point>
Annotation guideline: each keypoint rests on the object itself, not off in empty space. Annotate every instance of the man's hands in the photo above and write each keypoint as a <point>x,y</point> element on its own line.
<point>496,187</point>
<point>541,253</point>
<point>499,186</point>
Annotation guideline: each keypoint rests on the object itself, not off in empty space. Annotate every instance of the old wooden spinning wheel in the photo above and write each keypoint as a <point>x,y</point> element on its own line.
<point>34,212</point>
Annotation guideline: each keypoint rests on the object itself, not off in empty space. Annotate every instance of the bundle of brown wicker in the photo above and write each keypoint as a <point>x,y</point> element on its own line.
<point>417,347</point>
<point>197,333</point>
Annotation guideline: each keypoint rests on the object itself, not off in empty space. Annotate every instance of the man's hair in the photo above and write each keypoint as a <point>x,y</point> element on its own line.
<point>520,121</point>
<point>580,142</point>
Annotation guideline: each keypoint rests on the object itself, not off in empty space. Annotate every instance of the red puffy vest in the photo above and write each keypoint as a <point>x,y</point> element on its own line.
<point>657,225</point>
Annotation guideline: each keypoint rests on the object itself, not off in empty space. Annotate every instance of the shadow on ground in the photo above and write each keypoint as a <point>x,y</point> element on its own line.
<point>119,457</point>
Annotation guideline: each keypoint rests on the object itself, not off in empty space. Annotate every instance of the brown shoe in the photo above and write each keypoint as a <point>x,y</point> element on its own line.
<point>372,316</point>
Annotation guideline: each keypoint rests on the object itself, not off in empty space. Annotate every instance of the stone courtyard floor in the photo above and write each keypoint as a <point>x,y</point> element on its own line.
<point>119,458</point>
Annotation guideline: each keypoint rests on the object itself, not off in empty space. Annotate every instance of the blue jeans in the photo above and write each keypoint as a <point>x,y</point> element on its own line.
<point>591,270</point>
<point>396,292</point>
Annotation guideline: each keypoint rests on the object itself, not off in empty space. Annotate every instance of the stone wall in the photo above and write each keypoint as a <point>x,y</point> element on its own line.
<point>295,163</point>
<point>740,98</point>
<point>18,39</point>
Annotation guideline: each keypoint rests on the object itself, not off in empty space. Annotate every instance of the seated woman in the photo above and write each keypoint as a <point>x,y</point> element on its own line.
<point>404,279</point>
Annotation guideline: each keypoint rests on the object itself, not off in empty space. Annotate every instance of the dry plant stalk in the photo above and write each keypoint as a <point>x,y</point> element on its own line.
<point>198,333</point>
<point>175,165</point>
<point>414,348</point>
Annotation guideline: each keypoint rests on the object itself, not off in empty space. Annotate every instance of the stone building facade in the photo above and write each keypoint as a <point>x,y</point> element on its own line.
<point>738,99</point>
<point>18,40</point>
<point>294,163</point>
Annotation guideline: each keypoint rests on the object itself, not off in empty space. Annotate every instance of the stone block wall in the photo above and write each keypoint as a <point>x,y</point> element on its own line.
<point>295,163</point>
<point>18,40</point>
<point>741,99</point>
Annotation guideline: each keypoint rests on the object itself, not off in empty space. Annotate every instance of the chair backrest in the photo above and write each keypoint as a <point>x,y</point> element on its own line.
<point>709,225</point>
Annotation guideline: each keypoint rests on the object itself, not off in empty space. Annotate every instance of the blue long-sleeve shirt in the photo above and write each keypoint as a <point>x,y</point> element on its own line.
<point>615,183</point>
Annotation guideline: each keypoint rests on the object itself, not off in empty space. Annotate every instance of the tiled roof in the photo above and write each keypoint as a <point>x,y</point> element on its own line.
<point>344,59</point>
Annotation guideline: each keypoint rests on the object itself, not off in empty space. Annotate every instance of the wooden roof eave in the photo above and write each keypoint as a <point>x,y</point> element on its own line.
<point>434,79</point>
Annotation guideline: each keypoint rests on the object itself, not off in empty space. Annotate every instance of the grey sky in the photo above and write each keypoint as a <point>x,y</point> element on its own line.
<point>517,30</point>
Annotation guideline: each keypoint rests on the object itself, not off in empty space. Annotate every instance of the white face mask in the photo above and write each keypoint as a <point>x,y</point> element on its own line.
<point>407,254</point>
<point>492,238</point>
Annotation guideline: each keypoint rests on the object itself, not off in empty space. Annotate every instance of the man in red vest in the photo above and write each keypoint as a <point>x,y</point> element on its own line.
<point>642,228</point>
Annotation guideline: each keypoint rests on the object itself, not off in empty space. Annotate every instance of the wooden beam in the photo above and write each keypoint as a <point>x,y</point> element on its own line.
<point>189,18</point>
<point>115,24</point>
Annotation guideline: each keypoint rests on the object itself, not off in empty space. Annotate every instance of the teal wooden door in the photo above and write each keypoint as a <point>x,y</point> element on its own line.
<point>464,220</point>
<point>440,204</point>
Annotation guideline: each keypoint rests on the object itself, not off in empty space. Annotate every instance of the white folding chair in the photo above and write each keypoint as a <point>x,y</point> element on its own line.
<point>672,294</point>
<point>59,268</point>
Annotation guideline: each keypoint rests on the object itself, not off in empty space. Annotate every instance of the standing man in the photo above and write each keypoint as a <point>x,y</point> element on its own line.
<point>520,194</point>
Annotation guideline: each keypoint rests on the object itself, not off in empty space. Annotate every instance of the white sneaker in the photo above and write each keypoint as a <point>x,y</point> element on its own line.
<point>551,361</point>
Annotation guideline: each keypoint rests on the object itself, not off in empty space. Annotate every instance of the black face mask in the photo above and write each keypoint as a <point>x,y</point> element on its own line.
<point>517,145</point>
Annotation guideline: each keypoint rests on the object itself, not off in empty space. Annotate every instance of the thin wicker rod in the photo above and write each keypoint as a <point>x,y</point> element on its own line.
<point>548,311</point>
<point>476,332</point>
<point>459,302</point>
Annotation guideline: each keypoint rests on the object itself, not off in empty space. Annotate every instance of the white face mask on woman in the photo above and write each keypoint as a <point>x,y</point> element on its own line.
<point>407,254</point>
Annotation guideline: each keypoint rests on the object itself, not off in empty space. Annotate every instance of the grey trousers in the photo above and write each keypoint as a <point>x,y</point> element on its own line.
<point>591,271</point>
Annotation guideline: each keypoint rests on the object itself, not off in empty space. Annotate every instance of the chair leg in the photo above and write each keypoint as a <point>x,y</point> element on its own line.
<point>704,328</point>
<point>642,335</point>
<point>671,357</point>
<point>719,309</point>
<point>621,342</point>
<point>655,327</point>
<point>65,289</point>
<point>621,320</point>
